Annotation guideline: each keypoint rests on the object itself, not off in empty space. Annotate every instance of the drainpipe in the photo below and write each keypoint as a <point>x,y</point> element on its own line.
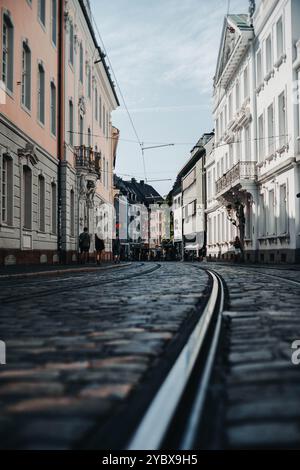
<point>60,121</point>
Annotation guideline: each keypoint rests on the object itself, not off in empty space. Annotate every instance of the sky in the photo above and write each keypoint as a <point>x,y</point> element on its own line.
<point>163,54</point>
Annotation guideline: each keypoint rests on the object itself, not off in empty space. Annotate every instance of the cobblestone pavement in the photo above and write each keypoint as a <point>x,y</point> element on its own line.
<point>81,345</point>
<point>256,389</point>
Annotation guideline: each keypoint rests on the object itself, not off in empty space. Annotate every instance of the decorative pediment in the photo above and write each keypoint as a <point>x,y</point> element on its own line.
<point>28,153</point>
<point>237,32</point>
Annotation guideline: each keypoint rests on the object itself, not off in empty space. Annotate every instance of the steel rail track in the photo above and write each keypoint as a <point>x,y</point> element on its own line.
<point>10,300</point>
<point>179,388</point>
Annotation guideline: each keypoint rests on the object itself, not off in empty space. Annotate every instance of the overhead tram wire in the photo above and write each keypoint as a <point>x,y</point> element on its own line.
<point>121,94</point>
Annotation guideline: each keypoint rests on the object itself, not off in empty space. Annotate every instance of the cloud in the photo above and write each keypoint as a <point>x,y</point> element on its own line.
<point>163,109</point>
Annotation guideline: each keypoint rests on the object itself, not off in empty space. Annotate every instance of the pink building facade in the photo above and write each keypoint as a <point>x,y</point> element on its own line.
<point>28,131</point>
<point>57,144</point>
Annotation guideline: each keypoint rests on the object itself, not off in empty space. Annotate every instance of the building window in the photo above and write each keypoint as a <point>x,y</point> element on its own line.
<point>104,172</point>
<point>53,108</point>
<point>271,214</point>
<point>230,155</point>
<point>230,106</point>
<point>81,129</point>
<point>103,122</point>
<point>269,59</point>
<point>7,190</point>
<point>89,138</point>
<point>282,119</point>
<point>42,11</point>
<point>283,213</point>
<point>248,224</point>
<point>262,215</point>
<point>41,94</point>
<point>89,86</point>
<point>261,143</point>
<point>247,144</point>
<point>54,21</point>
<point>279,38</point>
<point>53,209</point>
<point>96,104</point>
<point>26,76</point>
<point>107,124</point>
<point>107,175</point>
<point>72,213</point>
<point>71,44</point>
<point>81,62</point>
<point>238,146</point>
<point>27,197</point>
<point>271,128</point>
<point>71,123</point>
<point>246,83</point>
<point>259,72</point>
<point>7,52</point>
<point>237,96</point>
<point>100,114</point>
<point>41,196</point>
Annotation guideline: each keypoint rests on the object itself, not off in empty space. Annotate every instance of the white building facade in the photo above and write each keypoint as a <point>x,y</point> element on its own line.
<point>253,171</point>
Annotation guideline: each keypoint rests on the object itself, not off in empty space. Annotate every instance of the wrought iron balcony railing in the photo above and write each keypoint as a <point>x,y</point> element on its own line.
<point>84,157</point>
<point>87,158</point>
<point>240,171</point>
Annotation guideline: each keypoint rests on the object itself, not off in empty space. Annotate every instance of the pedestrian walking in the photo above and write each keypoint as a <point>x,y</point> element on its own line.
<point>116,249</point>
<point>84,245</point>
<point>237,249</point>
<point>99,247</point>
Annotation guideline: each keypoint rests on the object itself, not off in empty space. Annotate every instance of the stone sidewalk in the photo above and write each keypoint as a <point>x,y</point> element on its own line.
<point>77,357</point>
<point>22,271</point>
<point>256,390</point>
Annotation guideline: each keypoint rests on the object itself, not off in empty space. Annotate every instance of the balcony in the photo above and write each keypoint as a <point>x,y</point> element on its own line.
<point>239,174</point>
<point>86,159</point>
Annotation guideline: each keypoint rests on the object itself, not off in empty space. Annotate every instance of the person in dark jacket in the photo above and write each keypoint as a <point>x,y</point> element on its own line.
<point>84,245</point>
<point>116,249</point>
<point>238,252</point>
<point>99,247</point>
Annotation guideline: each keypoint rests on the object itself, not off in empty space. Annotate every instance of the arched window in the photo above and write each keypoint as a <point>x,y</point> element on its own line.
<point>41,199</point>
<point>7,52</point>
<point>27,197</point>
<point>7,190</point>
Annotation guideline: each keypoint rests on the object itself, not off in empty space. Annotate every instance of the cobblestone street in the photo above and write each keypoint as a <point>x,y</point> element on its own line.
<point>87,351</point>
<point>77,346</point>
